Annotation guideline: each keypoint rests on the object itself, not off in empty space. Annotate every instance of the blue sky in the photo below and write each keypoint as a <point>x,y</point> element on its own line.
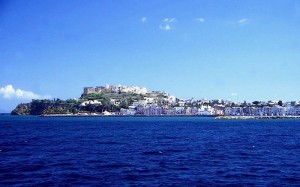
<point>236,50</point>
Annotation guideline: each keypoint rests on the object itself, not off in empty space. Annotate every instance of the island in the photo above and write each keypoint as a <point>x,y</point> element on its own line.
<point>110,100</point>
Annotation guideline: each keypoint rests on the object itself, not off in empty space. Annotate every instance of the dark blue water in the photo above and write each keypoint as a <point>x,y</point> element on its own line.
<point>179,151</point>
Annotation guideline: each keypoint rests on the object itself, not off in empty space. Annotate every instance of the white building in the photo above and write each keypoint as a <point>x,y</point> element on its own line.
<point>127,112</point>
<point>91,102</point>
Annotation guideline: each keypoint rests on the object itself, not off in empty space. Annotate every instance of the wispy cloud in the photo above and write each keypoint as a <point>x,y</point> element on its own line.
<point>143,19</point>
<point>9,92</point>
<point>167,24</point>
<point>243,21</point>
<point>169,20</point>
<point>201,20</point>
<point>234,94</point>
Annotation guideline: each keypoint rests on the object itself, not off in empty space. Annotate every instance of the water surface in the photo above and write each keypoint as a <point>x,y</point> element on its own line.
<point>153,151</point>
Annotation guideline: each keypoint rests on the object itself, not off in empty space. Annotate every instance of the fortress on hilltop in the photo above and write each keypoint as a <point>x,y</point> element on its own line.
<point>115,89</point>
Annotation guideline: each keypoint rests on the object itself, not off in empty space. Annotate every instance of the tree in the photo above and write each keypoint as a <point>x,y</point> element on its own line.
<point>124,105</point>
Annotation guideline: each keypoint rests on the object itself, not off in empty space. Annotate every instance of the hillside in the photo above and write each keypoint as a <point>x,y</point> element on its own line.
<point>90,103</point>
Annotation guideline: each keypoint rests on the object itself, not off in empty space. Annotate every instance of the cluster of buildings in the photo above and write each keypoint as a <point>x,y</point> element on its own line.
<point>152,109</point>
<point>155,110</point>
<point>158,103</point>
<point>115,89</point>
<point>275,110</point>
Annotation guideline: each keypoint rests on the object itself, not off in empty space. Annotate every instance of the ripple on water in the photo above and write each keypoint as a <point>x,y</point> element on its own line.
<point>152,153</point>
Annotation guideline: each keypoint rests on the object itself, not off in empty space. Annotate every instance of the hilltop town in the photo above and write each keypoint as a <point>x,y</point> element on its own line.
<point>137,101</point>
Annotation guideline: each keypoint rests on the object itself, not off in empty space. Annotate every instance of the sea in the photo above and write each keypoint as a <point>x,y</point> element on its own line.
<point>148,151</point>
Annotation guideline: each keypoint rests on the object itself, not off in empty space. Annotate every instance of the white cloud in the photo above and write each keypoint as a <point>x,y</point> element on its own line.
<point>165,27</point>
<point>243,21</point>
<point>9,92</point>
<point>167,24</point>
<point>143,19</point>
<point>201,20</point>
<point>169,20</point>
<point>234,94</point>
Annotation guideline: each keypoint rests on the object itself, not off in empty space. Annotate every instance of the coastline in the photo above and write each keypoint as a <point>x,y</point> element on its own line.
<point>255,117</point>
<point>211,116</point>
<point>217,117</point>
<point>101,115</point>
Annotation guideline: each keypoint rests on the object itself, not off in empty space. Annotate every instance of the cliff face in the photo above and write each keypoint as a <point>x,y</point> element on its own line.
<point>21,109</point>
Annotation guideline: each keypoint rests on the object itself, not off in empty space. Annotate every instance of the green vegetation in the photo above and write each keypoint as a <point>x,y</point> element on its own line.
<point>111,102</point>
<point>46,106</point>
